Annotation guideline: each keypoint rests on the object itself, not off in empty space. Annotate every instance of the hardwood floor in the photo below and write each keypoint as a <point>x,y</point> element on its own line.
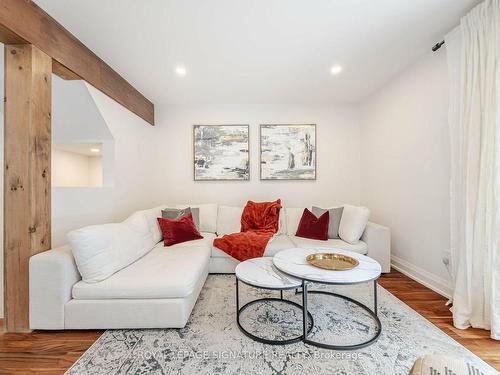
<point>53,352</point>
<point>432,306</point>
<point>43,352</point>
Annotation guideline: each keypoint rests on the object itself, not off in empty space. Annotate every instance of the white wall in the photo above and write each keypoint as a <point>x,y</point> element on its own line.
<point>95,170</point>
<point>75,117</point>
<point>405,167</point>
<point>156,167</point>
<point>338,155</point>
<point>71,169</point>
<point>154,164</point>
<point>136,176</point>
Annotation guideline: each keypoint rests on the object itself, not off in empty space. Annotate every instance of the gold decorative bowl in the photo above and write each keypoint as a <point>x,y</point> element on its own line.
<point>332,261</point>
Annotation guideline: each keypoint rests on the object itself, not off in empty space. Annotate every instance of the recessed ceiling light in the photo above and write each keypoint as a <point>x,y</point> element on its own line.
<point>336,69</point>
<point>95,150</point>
<point>180,70</point>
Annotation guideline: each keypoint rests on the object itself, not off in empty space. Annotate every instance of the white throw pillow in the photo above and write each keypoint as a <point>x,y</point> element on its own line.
<point>353,223</point>
<point>229,220</point>
<point>293,216</point>
<point>208,216</point>
<point>152,216</point>
<point>102,250</point>
<point>282,222</point>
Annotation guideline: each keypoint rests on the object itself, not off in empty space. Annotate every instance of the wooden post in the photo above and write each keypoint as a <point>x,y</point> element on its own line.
<point>27,188</point>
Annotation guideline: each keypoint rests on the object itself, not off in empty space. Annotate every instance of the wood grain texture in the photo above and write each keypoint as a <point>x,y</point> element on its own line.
<point>53,352</point>
<point>63,72</point>
<point>25,20</point>
<point>432,306</point>
<point>27,187</point>
<point>8,37</point>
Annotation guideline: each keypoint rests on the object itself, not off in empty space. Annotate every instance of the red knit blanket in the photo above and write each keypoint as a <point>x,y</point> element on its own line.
<point>259,222</point>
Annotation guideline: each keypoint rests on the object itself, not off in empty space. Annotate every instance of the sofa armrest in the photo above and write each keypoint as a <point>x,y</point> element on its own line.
<point>52,275</point>
<point>378,239</point>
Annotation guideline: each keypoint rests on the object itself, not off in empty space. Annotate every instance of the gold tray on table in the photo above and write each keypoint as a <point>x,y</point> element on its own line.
<point>332,261</point>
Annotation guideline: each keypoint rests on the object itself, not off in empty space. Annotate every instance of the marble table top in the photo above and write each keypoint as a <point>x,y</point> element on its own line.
<point>293,262</point>
<point>261,272</point>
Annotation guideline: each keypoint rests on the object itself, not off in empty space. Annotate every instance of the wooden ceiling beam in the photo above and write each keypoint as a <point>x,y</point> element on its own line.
<point>8,38</point>
<point>22,21</point>
<point>63,72</point>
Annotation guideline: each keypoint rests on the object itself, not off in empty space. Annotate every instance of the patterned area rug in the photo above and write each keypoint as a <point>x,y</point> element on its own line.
<point>211,342</point>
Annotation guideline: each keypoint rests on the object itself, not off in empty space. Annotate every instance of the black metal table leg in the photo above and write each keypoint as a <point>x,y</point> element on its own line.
<point>239,310</point>
<point>373,315</point>
<point>237,295</point>
<point>375,303</point>
<point>304,310</point>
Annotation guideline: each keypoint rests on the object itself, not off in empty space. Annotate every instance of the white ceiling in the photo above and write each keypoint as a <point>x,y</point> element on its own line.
<point>258,51</point>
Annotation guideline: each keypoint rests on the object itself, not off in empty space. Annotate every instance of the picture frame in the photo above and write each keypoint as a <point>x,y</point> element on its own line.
<point>221,152</point>
<point>288,152</point>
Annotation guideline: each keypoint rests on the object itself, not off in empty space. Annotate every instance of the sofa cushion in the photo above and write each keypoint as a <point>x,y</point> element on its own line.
<point>277,243</point>
<point>353,223</point>
<point>229,220</point>
<point>171,272</point>
<point>208,216</point>
<point>151,216</point>
<point>282,223</point>
<point>335,243</point>
<point>293,216</point>
<point>102,250</point>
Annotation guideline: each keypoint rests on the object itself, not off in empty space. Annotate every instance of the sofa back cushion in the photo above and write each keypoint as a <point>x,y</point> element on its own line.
<point>353,223</point>
<point>151,217</point>
<point>102,250</point>
<point>282,222</point>
<point>292,218</point>
<point>229,220</point>
<point>208,216</point>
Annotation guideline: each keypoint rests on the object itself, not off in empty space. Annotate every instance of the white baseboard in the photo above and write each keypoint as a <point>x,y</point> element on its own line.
<point>431,281</point>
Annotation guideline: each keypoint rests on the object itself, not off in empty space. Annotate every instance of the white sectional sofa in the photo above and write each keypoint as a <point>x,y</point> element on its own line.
<point>160,288</point>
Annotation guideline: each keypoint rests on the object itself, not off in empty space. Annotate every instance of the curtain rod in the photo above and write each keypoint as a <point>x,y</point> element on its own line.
<point>437,46</point>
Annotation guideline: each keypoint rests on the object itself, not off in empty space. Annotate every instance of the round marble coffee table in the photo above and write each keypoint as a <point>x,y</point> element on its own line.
<point>261,273</point>
<point>293,262</point>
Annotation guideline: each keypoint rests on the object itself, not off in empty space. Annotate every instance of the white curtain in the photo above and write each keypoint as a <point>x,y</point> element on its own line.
<point>473,51</point>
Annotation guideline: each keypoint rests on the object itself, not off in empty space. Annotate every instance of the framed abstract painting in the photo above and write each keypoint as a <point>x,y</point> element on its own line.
<point>221,152</point>
<point>288,152</point>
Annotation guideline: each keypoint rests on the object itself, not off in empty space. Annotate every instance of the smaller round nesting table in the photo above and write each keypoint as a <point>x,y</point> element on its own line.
<point>261,273</point>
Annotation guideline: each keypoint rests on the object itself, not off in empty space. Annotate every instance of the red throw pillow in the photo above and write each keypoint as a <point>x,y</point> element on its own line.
<point>315,228</point>
<point>180,230</point>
